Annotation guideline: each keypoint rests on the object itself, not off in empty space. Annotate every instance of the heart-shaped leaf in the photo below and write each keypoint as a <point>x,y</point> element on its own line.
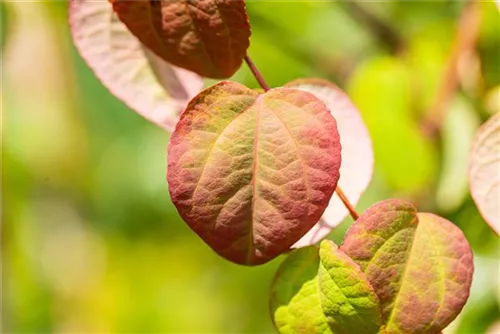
<point>484,171</point>
<point>252,173</point>
<point>419,264</point>
<point>155,89</point>
<point>208,37</point>
<point>357,154</point>
<point>323,291</point>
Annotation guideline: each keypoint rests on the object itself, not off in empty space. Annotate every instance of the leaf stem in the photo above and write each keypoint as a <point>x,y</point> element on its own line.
<point>256,73</point>
<point>347,204</point>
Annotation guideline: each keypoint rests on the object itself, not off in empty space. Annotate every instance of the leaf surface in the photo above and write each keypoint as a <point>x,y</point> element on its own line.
<point>252,173</point>
<point>323,291</point>
<point>357,154</point>
<point>153,88</point>
<point>419,264</point>
<point>208,37</point>
<point>484,171</point>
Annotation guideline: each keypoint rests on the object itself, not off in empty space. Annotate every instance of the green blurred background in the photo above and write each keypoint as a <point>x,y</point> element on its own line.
<point>90,240</point>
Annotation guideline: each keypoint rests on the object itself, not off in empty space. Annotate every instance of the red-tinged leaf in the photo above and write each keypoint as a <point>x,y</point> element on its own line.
<point>155,89</point>
<point>357,154</point>
<point>484,171</point>
<point>208,37</point>
<point>252,173</point>
<point>323,291</point>
<point>419,264</point>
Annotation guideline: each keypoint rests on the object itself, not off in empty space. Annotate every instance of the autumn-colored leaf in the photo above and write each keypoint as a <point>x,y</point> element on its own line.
<point>419,264</point>
<point>208,37</point>
<point>357,154</point>
<point>252,173</point>
<point>323,291</point>
<point>484,171</point>
<point>153,88</point>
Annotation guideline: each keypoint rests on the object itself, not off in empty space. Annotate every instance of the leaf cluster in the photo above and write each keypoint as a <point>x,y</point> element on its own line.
<point>253,172</point>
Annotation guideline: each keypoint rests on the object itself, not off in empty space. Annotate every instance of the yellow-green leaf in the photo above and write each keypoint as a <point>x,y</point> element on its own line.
<point>322,291</point>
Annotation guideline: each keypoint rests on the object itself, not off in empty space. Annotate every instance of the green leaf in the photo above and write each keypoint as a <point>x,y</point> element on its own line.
<point>484,171</point>
<point>381,89</point>
<point>207,37</point>
<point>323,291</point>
<point>252,173</point>
<point>419,264</point>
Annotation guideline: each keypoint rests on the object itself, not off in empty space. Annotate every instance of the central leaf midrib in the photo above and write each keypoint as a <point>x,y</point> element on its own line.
<point>320,298</point>
<point>385,241</point>
<point>253,181</point>
<point>442,291</point>
<point>302,164</point>
<point>402,280</point>
<point>229,31</point>
<point>159,36</point>
<point>218,137</point>
<point>195,27</point>
<point>356,314</point>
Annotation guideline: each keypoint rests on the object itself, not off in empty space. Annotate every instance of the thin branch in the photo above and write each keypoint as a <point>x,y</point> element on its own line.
<point>465,41</point>
<point>347,204</point>
<point>256,73</point>
<point>385,34</point>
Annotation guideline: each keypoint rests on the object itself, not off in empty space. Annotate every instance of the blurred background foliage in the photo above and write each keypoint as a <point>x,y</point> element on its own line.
<point>90,240</point>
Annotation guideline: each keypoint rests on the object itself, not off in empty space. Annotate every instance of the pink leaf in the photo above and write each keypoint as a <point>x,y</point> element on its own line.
<point>484,172</point>
<point>155,89</point>
<point>252,173</point>
<point>357,154</point>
